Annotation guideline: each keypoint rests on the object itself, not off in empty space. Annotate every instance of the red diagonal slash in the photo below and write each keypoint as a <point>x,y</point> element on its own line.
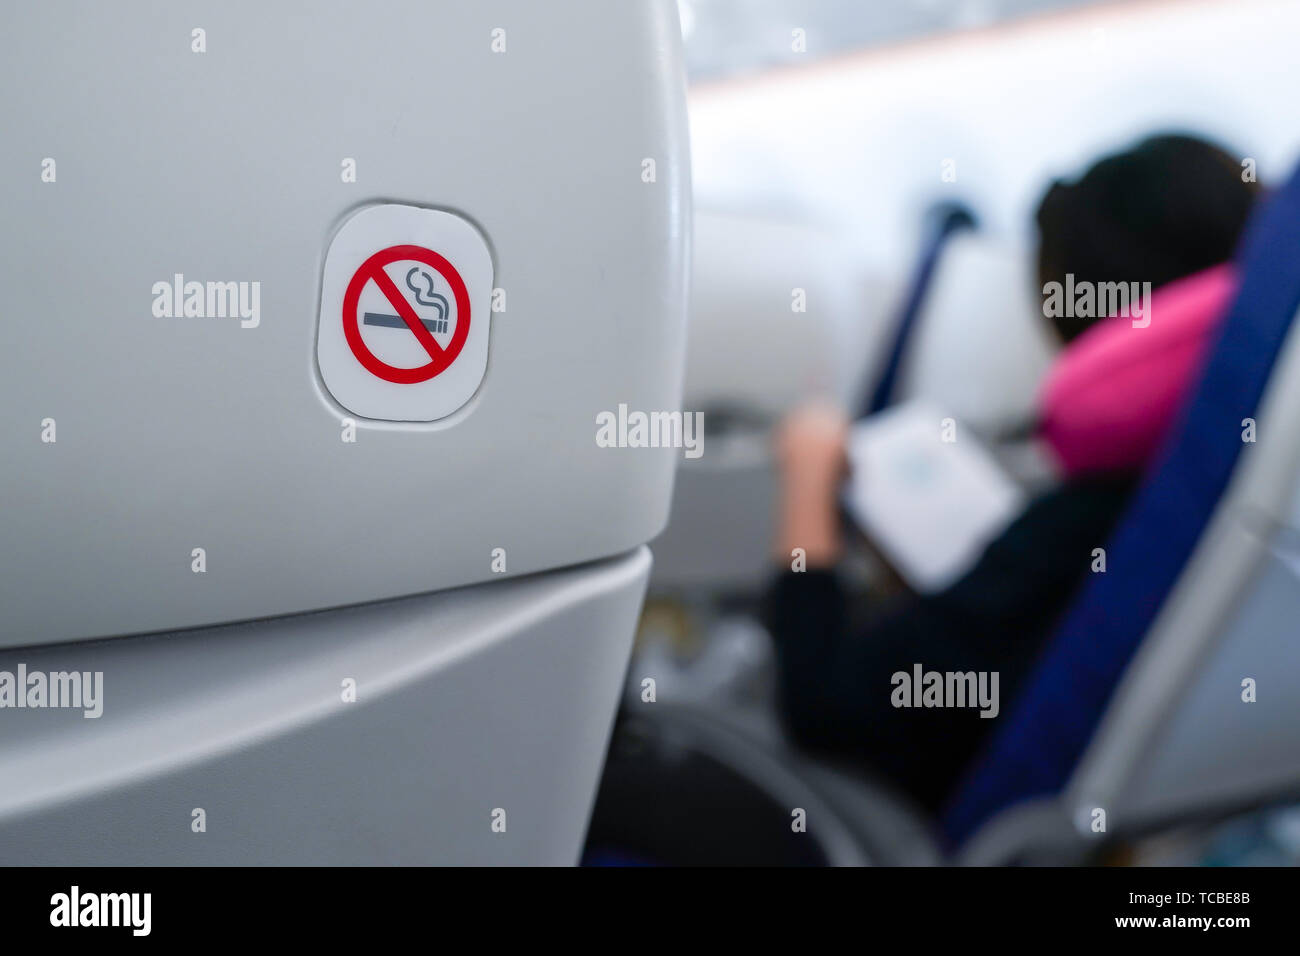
<point>408,314</point>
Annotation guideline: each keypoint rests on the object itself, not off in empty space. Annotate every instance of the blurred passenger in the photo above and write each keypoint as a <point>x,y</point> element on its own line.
<point>1168,208</point>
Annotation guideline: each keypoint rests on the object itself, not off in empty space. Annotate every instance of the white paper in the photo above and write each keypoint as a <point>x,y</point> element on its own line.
<point>930,506</point>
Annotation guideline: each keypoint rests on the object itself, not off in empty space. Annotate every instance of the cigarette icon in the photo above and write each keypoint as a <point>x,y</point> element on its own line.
<point>386,321</point>
<point>425,296</point>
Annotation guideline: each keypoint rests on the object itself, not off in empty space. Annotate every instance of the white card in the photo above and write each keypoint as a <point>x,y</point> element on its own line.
<point>930,505</point>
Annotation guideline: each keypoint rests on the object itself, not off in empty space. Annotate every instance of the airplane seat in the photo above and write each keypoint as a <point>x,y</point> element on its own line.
<point>1168,692</point>
<point>866,338</point>
<point>274,592</point>
<point>792,300</point>
<point>1149,704</point>
<point>687,785</point>
<point>980,346</point>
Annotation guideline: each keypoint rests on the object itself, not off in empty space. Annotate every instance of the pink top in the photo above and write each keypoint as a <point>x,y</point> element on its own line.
<point>1113,393</point>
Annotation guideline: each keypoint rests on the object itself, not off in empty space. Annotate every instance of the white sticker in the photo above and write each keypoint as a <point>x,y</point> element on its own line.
<point>405,310</point>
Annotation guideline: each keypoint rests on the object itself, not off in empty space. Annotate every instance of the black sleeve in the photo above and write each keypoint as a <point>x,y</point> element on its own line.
<point>835,685</point>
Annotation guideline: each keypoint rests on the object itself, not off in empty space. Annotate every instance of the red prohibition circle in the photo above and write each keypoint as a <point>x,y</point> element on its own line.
<point>439,358</point>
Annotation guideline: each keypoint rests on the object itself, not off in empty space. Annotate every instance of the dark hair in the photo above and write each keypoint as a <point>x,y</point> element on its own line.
<point>1168,207</point>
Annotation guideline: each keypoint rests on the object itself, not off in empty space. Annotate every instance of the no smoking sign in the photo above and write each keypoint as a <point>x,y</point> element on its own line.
<point>403,332</point>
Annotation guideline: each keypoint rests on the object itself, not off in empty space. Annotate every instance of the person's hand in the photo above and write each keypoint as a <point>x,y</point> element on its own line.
<point>809,447</point>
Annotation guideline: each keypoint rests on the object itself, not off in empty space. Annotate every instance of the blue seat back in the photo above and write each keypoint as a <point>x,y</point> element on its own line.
<point>1051,722</point>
